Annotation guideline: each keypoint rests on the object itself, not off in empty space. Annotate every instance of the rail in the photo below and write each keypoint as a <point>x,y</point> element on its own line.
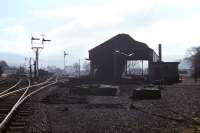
<point>5,91</point>
<point>23,98</point>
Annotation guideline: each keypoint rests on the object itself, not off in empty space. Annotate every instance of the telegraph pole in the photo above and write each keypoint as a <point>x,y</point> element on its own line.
<point>30,68</point>
<point>35,69</point>
<point>37,62</point>
<point>25,64</point>
<point>79,68</point>
<point>64,59</point>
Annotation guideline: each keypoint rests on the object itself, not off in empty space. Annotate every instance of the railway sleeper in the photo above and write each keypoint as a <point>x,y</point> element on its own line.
<point>19,119</point>
<point>15,129</point>
<point>17,124</point>
<point>2,117</point>
<point>7,106</point>
<point>27,108</point>
<point>4,110</point>
<point>23,114</point>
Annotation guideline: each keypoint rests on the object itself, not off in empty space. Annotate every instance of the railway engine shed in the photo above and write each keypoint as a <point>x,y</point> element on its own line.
<point>108,61</point>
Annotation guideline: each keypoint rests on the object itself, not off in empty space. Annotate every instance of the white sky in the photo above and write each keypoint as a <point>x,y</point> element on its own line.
<point>79,25</point>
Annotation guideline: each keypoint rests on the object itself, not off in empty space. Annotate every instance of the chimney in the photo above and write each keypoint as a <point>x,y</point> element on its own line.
<point>160,52</point>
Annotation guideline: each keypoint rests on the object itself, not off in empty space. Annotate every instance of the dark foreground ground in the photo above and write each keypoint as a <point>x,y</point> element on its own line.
<point>178,111</point>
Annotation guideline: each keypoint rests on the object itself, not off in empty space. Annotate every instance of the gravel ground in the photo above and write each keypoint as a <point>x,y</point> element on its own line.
<point>178,111</point>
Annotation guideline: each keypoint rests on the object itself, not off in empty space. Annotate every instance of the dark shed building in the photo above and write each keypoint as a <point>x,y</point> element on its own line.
<point>108,60</point>
<point>164,71</point>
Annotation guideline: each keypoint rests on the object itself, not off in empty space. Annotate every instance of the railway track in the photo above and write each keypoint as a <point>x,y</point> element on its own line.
<point>2,81</point>
<point>9,89</point>
<point>7,83</point>
<point>17,104</point>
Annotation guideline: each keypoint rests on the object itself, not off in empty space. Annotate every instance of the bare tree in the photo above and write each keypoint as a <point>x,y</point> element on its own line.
<point>76,68</point>
<point>4,65</point>
<point>131,67</point>
<point>1,71</point>
<point>194,59</point>
<point>86,67</point>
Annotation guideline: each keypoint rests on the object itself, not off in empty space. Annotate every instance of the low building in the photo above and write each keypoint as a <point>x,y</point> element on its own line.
<point>166,72</point>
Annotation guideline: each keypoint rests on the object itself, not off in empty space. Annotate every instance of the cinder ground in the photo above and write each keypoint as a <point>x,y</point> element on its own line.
<point>178,111</point>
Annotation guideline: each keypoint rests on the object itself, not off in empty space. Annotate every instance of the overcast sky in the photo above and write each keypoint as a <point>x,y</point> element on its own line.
<point>79,25</point>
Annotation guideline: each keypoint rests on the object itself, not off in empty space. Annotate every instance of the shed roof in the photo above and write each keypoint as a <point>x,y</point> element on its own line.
<point>122,39</point>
